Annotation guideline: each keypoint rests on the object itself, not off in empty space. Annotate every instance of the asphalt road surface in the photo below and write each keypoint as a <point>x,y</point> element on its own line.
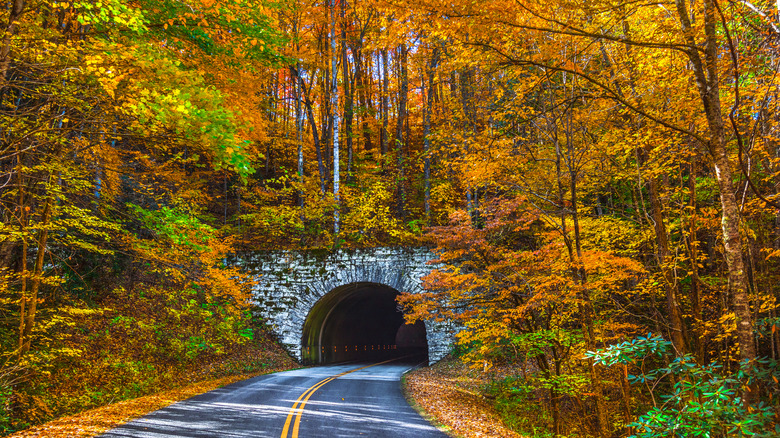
<point>346,400</point>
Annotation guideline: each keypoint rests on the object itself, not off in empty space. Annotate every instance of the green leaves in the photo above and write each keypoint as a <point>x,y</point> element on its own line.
<point>703,400</point>
<point>188,106</point>
<point>180,227</point>
<point>234,32</point>
<point>109,14</point>
<point>631,352</point>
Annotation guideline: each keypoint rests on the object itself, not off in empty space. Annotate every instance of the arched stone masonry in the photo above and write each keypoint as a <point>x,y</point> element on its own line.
<point>291,282</point>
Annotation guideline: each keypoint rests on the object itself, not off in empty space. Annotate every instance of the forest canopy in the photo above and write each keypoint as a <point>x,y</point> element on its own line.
<point>600,181</point>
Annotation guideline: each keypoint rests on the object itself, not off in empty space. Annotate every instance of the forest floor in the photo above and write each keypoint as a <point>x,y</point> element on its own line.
<point>449,395</point>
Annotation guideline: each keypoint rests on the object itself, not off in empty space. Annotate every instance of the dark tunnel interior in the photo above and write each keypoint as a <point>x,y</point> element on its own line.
<point>361,322</point>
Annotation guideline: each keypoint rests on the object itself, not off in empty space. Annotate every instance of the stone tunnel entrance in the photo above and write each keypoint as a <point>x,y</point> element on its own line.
<point>360,321</point>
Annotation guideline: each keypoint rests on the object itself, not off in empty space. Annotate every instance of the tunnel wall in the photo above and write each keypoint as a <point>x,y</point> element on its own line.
<point>291,282</point>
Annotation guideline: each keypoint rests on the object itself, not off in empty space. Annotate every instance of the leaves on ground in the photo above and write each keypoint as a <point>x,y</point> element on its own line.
<point>450,393</point>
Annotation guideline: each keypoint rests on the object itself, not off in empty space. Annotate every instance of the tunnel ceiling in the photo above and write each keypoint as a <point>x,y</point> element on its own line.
<point>360,321</point>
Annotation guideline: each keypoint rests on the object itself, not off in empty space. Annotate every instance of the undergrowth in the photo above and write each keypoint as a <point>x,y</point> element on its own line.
<point>130,344</point>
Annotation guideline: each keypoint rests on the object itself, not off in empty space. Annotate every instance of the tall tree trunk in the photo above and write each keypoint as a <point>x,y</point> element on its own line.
<point>708,83</point>
<point>326,111</point>
<point>403,96</point>
<point>430,67</point>
<point>665,261</point>
<point>385,96</point>
<point>469,126</point>
<point>431,71</point>
<point>17,8</point>
<point>297,91</point>
<point>28,317</point>
<point>334,107</point>
<point>314,132</point>
<point>586,308</point>
<point>23,224</point>
<point>273,107</point>
<point>349,90</point>
<point>732,242</point>
<point>693,248</point>
<point>663,254</point>
<point>364,97</point>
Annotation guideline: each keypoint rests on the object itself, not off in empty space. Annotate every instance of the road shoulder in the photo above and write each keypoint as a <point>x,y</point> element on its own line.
<point>447,396</point>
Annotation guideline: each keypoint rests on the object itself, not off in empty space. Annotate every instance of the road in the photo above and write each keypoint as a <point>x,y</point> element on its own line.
<point>346,400</point>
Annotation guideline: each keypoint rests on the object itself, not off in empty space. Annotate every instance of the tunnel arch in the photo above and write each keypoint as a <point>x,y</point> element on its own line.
<point>361,321</point>
<point>289,283</point>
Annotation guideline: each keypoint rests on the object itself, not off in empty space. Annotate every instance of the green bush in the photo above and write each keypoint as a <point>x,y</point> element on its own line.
<point>517,401</point>
<point>703,401</point>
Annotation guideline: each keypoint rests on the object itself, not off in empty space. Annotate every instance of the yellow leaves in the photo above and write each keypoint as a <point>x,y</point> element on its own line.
<point>368,217</point>
<point>612,234</point>
<point>724,328</point>
<point>107,65</point>
<point>768,303</point>
<point>93,58</point>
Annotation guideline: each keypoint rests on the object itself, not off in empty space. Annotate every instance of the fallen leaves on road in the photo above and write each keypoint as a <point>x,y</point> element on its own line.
<point>96,421</point>
<point>449,393</point>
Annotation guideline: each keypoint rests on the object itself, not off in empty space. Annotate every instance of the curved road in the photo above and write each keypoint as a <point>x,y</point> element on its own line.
<point>347,400</point>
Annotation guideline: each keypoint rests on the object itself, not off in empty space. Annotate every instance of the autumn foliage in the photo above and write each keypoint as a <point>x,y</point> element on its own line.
<point>599,179</point>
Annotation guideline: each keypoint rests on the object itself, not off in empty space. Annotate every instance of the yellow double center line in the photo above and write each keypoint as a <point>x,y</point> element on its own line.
<point>297,409</point>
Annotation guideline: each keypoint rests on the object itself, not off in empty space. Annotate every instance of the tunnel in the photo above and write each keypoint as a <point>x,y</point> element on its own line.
<point>361,322</point>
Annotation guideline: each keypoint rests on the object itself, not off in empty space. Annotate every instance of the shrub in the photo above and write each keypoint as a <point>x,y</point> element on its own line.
<point>703,401</point>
